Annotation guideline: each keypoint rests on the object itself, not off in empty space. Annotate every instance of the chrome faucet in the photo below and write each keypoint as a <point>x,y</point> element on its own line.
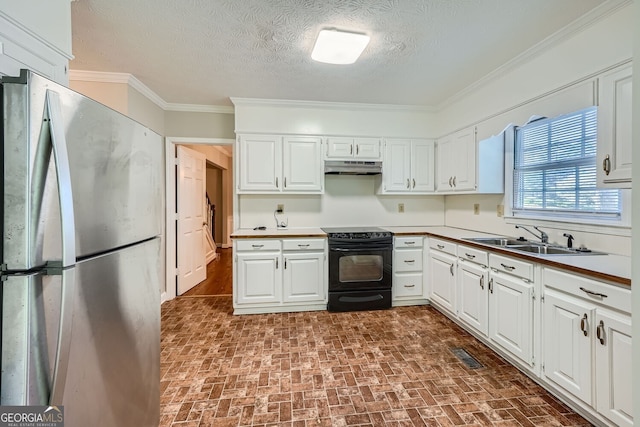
<point>544,237</point>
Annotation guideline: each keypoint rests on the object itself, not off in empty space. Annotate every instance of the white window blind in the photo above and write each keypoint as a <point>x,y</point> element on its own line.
<point>555,169</point>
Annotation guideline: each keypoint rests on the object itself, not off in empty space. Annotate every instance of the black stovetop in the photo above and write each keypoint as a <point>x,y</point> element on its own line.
<point>356,232</point>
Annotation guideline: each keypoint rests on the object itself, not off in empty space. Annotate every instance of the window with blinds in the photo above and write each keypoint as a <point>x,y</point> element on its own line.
<point>555,169</point>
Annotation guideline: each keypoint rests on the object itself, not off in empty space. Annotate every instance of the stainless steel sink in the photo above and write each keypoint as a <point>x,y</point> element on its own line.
<point>531,247</point>
<point>497,241</point>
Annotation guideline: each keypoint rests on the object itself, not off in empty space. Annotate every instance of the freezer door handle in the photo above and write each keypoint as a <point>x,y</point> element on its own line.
<point>64,338</point>
<point>63,172</point>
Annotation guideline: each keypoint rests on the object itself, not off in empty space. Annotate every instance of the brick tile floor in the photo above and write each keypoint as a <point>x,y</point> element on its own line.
<point>370,368</point>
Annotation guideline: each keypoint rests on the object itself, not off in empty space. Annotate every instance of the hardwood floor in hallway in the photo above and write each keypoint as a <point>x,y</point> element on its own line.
<point>219,279</point>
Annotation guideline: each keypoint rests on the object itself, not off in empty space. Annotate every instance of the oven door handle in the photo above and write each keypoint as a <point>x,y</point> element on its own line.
<point>361,249</point>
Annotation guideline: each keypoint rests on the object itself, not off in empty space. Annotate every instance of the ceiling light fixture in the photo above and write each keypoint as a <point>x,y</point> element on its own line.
<point>339,47</point>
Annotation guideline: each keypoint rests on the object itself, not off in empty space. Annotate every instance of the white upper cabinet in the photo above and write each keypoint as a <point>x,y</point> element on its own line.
<point>275,164</point>
<point>456,162</point>
<point>466,166</point>
<point>408,166</point>
<point>348,148</point>
<point>303,167</point>
<point>614,128</point>
<point>260,163</point>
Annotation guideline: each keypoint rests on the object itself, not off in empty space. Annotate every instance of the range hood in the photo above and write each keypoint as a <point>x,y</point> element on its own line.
<point>350,167</point>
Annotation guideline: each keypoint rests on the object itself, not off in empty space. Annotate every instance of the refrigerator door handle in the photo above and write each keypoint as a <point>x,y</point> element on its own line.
<point>64,338</point>
<point>63,172</point>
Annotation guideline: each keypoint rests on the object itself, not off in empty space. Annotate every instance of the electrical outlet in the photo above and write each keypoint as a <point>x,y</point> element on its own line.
<point>401,207</point>
<point>476,208</point>
<point>500,210</point>
<point>280,208</point>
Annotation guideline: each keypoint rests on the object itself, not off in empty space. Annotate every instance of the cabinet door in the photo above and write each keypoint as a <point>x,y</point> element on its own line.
<point>567,350</point>
<point>443,280</point>
<point>260,163</point>
<point>302,169</point>
<point>445,164</point>
<point>422,166</point>
<point>613,367</point>
<point>463,161</point>
<point>397,165</point>
<point>259,278</point>
<point>511,315</point>
<point>304,277</point>
<point>473,297</point>
<point>367,148</point>
<point>614,128</point>
<point>339,148</point>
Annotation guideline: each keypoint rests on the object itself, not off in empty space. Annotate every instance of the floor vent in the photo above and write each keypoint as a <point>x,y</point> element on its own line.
<point>466,358</point>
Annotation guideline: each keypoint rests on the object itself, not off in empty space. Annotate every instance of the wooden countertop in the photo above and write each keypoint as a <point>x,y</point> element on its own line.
<point>612,268</point>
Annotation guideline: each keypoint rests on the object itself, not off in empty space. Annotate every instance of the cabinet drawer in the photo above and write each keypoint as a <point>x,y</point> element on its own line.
<point>608,295</point>
<point>303,244</point>
<point>443,245</point>
<point>407,260</point>
<point>473,255</point>
<point>511,266</point>
<point>405,285</point>
<point>408,242</point>
<point>258,245</point>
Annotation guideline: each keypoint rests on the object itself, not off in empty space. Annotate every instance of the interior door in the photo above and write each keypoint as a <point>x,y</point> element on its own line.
<point>192,268</point>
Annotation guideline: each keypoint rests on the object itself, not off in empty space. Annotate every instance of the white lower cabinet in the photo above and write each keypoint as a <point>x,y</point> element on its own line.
<point>473,295</point>
<point>587,343</point>
<point>279,275</point>
<point>442,274</point>
<point>408,271</point>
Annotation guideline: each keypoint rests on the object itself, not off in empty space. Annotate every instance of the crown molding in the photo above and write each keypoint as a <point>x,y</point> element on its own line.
<point>585,21</point>
<point>133,82</point>
<point>284,103</point>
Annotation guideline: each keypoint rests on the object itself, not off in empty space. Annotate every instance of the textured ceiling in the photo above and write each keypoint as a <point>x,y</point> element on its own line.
<point>205,51</point>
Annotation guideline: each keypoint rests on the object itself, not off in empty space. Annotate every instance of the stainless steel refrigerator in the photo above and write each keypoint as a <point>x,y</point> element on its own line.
<point>82,214</point>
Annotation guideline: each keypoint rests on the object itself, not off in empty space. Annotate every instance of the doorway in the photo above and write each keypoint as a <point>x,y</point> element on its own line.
<point>219,162</point>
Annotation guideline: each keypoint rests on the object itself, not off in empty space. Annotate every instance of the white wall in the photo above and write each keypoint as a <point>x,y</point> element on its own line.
<point>348,201</point>
<point>558,80</point>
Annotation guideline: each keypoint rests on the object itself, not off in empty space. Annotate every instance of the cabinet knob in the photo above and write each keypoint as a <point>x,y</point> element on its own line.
<point>606,165</point>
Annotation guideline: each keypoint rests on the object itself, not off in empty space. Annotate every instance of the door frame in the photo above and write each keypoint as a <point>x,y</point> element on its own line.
<point>169,292</point>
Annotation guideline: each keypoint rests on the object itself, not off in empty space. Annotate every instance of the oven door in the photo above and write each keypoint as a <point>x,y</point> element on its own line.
<point>359,268</point>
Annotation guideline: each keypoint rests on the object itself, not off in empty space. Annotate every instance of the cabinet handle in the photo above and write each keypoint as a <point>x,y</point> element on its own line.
<point>482,282</point>
<point>606,165</point>
<point>410,243</point>
<point>285,182</point>
<point>600,332</point>
<point>451,269</point>
<point>491,285</point>
<point>414,182</point>
<point>408,185</point>
<point>454,181</point>
<point>285,263</point>
<point>583,325</point>
<point>301,246</point>
<point>276,263</point>
<point>276,182</point>
<point>440,246</point>
<point>470,256</point>
<point>257,246</point>
<point>357,149</point>
<point>351,150</point>
<point>409,286</point>
<point>450,178</point>
<point>508,267</point>
<point>595,294</point>
<point>408,261</point>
